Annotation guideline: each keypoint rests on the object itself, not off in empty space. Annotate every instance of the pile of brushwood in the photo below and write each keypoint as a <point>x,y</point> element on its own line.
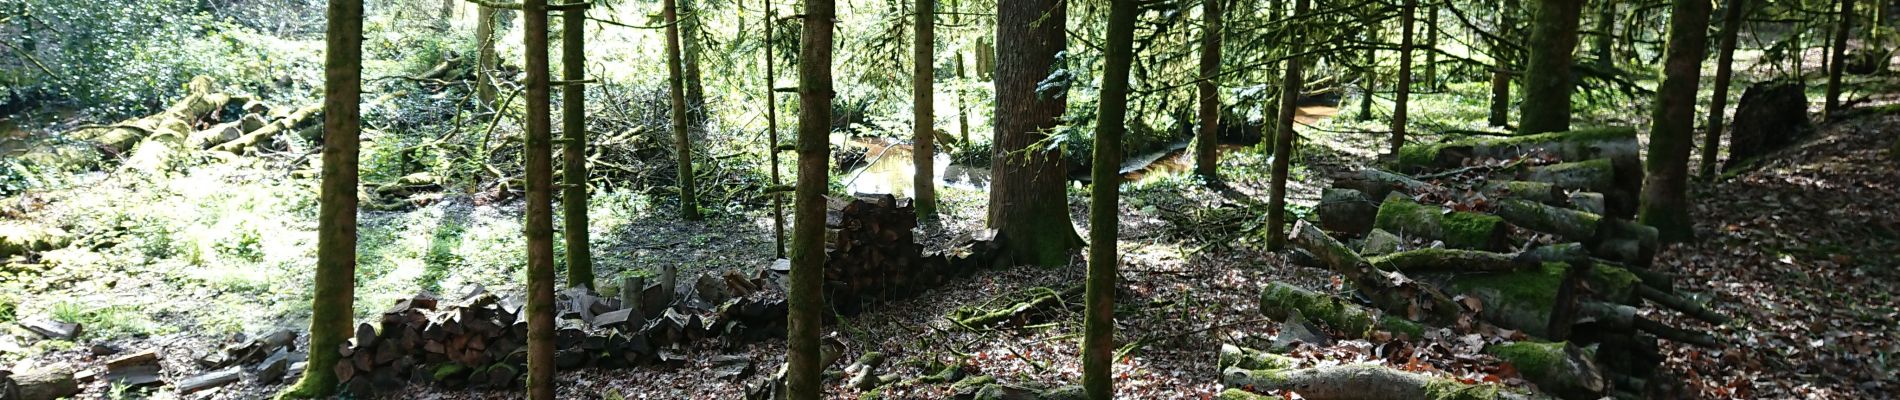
<point>1526,235</point>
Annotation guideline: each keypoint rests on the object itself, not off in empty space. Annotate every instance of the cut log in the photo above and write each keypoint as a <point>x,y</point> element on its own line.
<point>1459,229</point>
<point>50,329</point>
<point>1557,368</point>
<point>1377,183</point>
<point>1453,260</point>
<point>1582,144</point>
<point>1392,292</point>
<point>1618,186</point>
<point>45,383</point>
<point>1568,224</point>
<point>207,381</point>
<point>1628,242</point>
<point>1358,382</point>
<point>1246,358</point>
<point>1541,192</point>
<point>1618,318</point>
<point>1590,202</point>
<point>1380,242</point>
<point>250,142</point>
<point>145,357</point>
<point>1345,211</point>
<point>1684,305</point>
<point>1281,300</point>
<point>1523,300</point>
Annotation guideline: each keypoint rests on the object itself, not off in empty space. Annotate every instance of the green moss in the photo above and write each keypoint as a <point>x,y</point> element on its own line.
<point>1385,262</point>
<point>1522,298</point>
<point>1245,358</point>
<point>1447,389</point>
<point>1237,394</point>
<point>1613,282</point>
<point>1468,229</point>
<point>1278,298</point>
<point>1397,211</point>
<point>1417,156</point>
<point>1402,327</point>
<point>1458,229</point>
<point>1533,360</point>
<point>971,383</point>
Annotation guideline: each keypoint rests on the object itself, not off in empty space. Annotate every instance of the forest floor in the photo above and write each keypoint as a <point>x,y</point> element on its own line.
<point>1801,250</point>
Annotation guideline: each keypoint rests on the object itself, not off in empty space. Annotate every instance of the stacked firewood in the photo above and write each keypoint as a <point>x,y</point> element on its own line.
<point>871,252</point>
<point>1509,233</point>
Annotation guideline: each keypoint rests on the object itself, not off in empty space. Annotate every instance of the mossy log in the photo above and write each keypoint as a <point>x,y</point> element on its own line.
<point>1380,242</point>
<point>1458,229</point>
<point>1620,319</point>
<point>18,238</point>
<point>266,135</point>
<point>199,101</point>
<point>1524,300</point>
<point>1345,211</point>
<point>1568,224</point>
<point>45,383</point>
<point>1590,202</point>
<point>1618,186</point>
<point>1246,358</point>
<point>1618,144</point>
<point>1679,303</point>
<point>1557,368</point>
<point>1541,192</point>
<point>1359,381</point>
<point>1392,292</point>
<point>1377,183</point>
<point>1280,300</point>
<point>1453,260</point>
<point>1627,242</point>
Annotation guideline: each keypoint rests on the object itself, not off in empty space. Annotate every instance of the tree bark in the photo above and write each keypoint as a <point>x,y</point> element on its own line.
<point>1842,31</point>
<point>1431,48</point>
<point>537,154</point>
<point>1283,142</point>
<point>1500,72</point>
<point>771,130</point>
<point>1407,15</point>
<point>924,108</point>
<point>1605,35</point>
<point>682,141</point>
<point>1098,342</point>
<point>1028,205</point>
<point>692,51</point>
<point>1665,203</point>
<point>808,248</point>
<point>580,259</point>
<point>1547,79</point>
<point>333,304</point>
<point>963,109</point>
<point>1207,138</point>
<point>1732,17</point>
<point>485,55</point>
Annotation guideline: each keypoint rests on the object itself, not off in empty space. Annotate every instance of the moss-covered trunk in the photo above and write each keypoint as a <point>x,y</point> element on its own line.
<point>1718,102</point>
<point>1842,30</point>
<point>1458,229</point>
<point>682,140</point>
<point>1665,202</point>
<point>332,306</point>
<point>1403,90</point>
<point>1098,342</point>
<point>1283,138</point>
<point>924,110</point>
<point>485,55</point>
<point>1547,78</point>
<point>537,153</point>
<point>806,295</point>
<point>580,259</point>
<point>1028,205</point>
<point>1207,137</point>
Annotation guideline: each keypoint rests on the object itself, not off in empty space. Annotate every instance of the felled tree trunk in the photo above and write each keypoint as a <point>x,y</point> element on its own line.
<point>1280,300</point>
<point>1557,368</point>
<point>1391,292</point>
<point>1453,260</point>
<point>1358,381</point>
<point>249,142</point>
<point>1459,229</point>
<point>1345,211</point>
<point>1523,300</point>
<point>1577,145</point>
<point>1618,186</point>
<point>1377,183</point>
<point>1571,225</point>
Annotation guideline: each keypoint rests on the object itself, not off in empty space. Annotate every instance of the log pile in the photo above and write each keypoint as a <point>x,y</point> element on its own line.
<point>872,253</point>
<point>1515,242</point>
<point>204,119</point>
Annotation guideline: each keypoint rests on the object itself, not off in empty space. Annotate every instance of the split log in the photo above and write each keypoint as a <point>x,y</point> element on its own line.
<point>1459,229</point>
<point>1358,382</point>
<point>45,383</point>
<point>1392,292</point>
<point>1345,211</point>
<point>1557,368</point>
<point>1281,301</point>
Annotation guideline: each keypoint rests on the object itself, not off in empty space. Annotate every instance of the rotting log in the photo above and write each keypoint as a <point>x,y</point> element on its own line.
<point>1628,242</point>
<point>1247,358</point>
<point>1577,145</point>
<point>1281,300</point>
<point>1619,319</point>
<point>1557,368</point>
<point>1524,300</point>
<point>1359,381</point>
<point>1392,292</point>
<point>265,136</point>
<point>1377,183</point>
<point>1459,229</point>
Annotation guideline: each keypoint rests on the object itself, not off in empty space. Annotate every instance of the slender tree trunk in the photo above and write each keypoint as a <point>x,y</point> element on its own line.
<point>1606,33</point>
<point>963,109</point>
<point>1835,65</point>
<point>485,58</point>
<point>1206,143</point>
<point>580,259</point>
<point>1718,102</point>
<point>1371,74</point>
<point>1665,192</point>
<point>693,51</point>
<point>537,154</point>
<point>1547,80</point>
<point>1504,57</point>
<point>1404,87</point>
<point>1283,143</point>
<point>332,306</point>
<point>771,130</point>
<point>682,141</point>
<point>1431,48</point>
<point>808,248</point>
<point>924,108</point>
<point>1028,204</point>
<point>1098,341</point>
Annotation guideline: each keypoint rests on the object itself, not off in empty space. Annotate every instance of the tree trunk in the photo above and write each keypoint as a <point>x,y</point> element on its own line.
<point>924,108</point>
<point>963,109</point>
<point>1547,80</point>
<point>1028,205</point>
<point>1605,35</point>
<point>692,51</point>
<point>1458,229</point>
<point>1500,72</point>
<point>1718,102</point>
<point>1098,342</point>
<point>1404,87</point>
<point>806,318</point>
<point>332,306</point>
<point>682,141</point>
<point>1391,292</point>
<point>1431,48</point>
<point>485,58</point>
<point>1665,203</point>
<point>771,130</point>
<point>1370,76</point>
<point>1207,139</point>
<point>537,154</point>
<point>1358,382</point>
<point>1280,300</point>
<point>1834,67</point>
<point>580,260</point>
<point>1283,142</point>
